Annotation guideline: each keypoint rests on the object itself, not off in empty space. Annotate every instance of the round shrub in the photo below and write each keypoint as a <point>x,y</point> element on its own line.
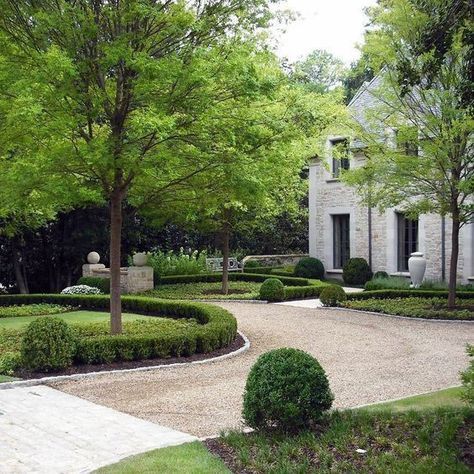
<point>272,289</point>
<point>332,296</point>
<point>81,290</point>
<point>48,345</point>
<point>356,271</point>
<point>380,275</point>
<point>287,389</point>
<point>309,268</point>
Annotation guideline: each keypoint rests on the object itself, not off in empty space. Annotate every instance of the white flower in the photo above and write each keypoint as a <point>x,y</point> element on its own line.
<point>81,290</point>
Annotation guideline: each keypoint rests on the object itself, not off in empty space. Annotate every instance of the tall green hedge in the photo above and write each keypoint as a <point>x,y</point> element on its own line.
<point>217,328</point>
<point>103,284</point>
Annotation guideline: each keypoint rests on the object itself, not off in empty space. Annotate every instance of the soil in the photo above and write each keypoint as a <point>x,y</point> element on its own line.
<point>466,443</point>
<point>87,368</point>
<point>226,454</point>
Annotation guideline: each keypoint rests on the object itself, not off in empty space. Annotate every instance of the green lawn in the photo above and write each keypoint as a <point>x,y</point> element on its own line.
<point>192,458</point>
<point>240,290</point>
<point>449,397</point>
<point>73,317</point>
<point>416,434</point>
<point>6,378</point>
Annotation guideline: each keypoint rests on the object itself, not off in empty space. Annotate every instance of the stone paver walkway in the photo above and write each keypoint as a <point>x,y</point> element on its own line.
<point>43,430</point>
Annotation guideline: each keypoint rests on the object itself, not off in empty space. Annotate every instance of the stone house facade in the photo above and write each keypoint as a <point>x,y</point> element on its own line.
<point>340,227</point>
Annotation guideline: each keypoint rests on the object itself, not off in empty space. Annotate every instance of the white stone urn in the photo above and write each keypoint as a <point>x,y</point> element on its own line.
<point>140,259</point>
<point>93,258</point>
<point>417,268</point>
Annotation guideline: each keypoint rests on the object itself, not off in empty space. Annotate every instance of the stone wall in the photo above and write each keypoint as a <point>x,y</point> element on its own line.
<point>132,279</point>
<point>329,196</point>
<point>274,260</point>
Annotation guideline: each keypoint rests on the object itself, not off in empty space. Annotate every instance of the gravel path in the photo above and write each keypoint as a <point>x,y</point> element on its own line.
<point>368,358</point>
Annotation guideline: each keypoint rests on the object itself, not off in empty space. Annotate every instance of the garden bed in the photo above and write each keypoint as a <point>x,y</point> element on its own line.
<point>358,441</point>
<point>236,344</point>
<point>415,307</point>
<point>171,330</point>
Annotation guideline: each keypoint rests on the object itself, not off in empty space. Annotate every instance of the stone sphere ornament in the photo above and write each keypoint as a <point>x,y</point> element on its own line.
<point>417,268</point>
<point>140,259</point>
<point>93,258</point>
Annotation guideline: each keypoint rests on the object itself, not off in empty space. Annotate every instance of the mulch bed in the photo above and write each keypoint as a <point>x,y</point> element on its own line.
<point>87,368</point>
<point>466,443</point>
<point>226,454</point>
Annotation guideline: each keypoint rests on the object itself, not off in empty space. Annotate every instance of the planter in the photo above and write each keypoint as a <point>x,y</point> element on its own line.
<point>140,259</point>
<point>417,268</point>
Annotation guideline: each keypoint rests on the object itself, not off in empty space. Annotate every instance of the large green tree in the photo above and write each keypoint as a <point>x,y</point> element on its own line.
<point>422,96</point>
<point>116,93</point>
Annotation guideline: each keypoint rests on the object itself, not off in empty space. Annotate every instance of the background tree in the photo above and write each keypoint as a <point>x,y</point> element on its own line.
<point>320,71</point>
<point>431,167</point>
<point>117,92</point>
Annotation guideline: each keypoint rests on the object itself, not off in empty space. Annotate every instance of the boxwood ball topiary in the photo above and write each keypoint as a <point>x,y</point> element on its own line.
<point>310,268</point>
<point>272,289</point>
<point>332,296</point>
<point>380,275</point>
<point>287,389</point>
<point>356,271</point>
<point>48,345</point>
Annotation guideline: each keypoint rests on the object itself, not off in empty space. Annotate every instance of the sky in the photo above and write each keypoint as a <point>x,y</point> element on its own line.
<point>333,25</point>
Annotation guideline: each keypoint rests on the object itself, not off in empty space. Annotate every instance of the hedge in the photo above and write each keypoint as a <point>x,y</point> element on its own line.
<point>217,328</point>
<point>96,282</point>
<point>383,294</point>
<point>216,277</point>
<point>301,292</point>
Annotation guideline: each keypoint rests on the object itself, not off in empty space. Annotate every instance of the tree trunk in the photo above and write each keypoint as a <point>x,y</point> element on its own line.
<point>115,260</point>
<point>17,268</point>
<point>453,269</point>
<point>225,252</point>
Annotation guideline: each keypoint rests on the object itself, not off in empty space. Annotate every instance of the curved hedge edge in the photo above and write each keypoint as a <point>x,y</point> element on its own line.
<point>217,277</point>
<point>217,327</point>
<point>177,365</point>
<point>382,294</point>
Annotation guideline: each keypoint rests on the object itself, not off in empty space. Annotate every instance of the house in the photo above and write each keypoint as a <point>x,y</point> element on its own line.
<point>341,227</point>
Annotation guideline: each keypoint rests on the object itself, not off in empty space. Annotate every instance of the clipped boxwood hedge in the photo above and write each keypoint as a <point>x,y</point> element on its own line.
<point>216,277</point>
<point>217,328</point>
<point>302,292</point>
<point>383,294</point>
<point>102,283</point>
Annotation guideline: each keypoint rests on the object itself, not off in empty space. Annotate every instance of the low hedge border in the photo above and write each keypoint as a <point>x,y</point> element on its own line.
<point>383,294</point>
<point>216,277</point>
<point>217,328</point>
<point>301,292</point>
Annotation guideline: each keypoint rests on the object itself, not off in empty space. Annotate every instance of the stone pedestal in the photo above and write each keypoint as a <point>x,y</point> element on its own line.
<point>88,269</point>
<point>139,279</point>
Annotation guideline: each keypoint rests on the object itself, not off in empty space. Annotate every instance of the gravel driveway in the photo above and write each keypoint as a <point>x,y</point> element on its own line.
<point>368,358</point>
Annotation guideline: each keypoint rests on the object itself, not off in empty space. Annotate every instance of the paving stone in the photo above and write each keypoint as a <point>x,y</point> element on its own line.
<point>43,430</point>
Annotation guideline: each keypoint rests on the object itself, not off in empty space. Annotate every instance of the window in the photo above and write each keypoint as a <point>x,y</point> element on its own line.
<point>341,236</point>
<point>407,240</point>
<point>407,140</point>
<point>340,156</point>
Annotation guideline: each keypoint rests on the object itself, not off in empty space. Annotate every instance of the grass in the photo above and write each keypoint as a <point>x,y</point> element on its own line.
<point>428,308</point>
<point>191,458</point>
<point>240,290</point>
<point>74,317</point>
<point>416,434</point>
<point>6,378</point>
<point>450,397</point>
<point>90,324</point>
